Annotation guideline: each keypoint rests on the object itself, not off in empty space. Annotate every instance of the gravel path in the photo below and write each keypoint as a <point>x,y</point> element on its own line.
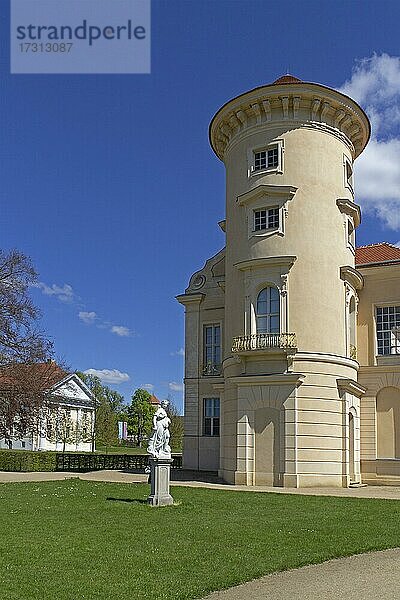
<point>362,577</point>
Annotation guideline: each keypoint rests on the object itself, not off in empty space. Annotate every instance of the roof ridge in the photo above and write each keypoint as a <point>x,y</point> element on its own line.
<point>377,244</point>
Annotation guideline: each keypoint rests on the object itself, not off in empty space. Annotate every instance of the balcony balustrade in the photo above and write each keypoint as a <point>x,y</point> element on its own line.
<point>264,341</point>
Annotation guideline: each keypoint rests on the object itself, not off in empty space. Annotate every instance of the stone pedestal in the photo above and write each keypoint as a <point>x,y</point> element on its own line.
<point>159,480</point>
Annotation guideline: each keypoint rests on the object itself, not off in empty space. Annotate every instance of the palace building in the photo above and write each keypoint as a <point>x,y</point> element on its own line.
<point>292,334</point>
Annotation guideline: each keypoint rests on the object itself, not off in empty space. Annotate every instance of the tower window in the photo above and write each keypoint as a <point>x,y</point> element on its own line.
<point>266,218</point>
<point>268,310</point>
<point>348,174</point>
<point>266,159</point>
<point>350,233</point>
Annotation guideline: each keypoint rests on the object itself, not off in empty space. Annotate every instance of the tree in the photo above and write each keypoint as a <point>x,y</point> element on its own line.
<point>25,370</point>
<point>20,339</point>
<point>176,428</point>
<point>24,397</point>
<point>140,415</point>
<point>108,406</point>
<point>106,425</point>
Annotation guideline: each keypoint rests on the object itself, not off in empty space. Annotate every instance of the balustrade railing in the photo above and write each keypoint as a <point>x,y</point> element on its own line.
<point>263,341</point>
<point>98,462</point>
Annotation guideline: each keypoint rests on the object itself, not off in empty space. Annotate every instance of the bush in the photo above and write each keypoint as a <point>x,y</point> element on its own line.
<point>26,460</point>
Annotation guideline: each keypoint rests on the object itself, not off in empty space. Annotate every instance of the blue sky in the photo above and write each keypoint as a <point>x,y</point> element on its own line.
<point>109,184</point>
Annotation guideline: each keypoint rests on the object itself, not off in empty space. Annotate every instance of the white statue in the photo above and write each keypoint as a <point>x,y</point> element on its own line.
<point>158,445</point>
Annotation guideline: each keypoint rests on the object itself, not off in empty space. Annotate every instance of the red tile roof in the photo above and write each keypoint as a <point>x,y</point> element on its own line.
<point>44,374</point>
<point>377,253</point>
<point>154,400</point>
<point>286,79</point>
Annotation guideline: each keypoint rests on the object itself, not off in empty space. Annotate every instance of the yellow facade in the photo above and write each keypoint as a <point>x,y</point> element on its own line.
<point>272,390</point>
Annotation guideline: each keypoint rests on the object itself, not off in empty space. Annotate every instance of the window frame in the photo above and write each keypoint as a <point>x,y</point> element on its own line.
<point>269,314</point>
<point>348,180</point>
<point>214,419</point>
<point>266,203</point>
<point>384,355</point>
<point>267,217</point>
<point>211,368</point>
<point>351,236</point>
<point>267,147</point>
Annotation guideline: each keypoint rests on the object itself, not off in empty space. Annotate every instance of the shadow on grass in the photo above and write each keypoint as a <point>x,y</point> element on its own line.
<point>136,500</point>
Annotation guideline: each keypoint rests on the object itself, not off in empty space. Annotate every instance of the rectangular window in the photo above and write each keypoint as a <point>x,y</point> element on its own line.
<point>388,329</point>
<point>350,233</point>
<point>266,159</point>
<point>212,350</point>
<point>266,218</point>
<point>211,416</point>
<point>348,174</point>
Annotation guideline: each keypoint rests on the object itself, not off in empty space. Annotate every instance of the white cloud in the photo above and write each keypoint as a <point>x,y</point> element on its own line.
<point>175,387</point>
<point>180,352</point>
<point>108,375</point>
<point>375,84</point>
<point>148,386</point>
<point>378,180</point>
<point>87,317</point>
<point>64,293</point>
<point>120,330</point>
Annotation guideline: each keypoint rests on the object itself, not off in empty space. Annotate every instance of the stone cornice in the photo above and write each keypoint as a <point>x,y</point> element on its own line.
<point>301,104</point>
<point>284,191</point>
<point>353,277</point>
<point>270,261</point>
<point>351,386</point>
<point>350,208</point>
<point>190,298</point>
<point>286,378</point>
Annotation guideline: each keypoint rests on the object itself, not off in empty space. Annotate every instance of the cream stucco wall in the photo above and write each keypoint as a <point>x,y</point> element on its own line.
<point>380,375</point>
<point>285,412</point>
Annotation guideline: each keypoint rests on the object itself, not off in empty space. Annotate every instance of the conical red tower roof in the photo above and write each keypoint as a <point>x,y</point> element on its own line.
<point>286,79</point>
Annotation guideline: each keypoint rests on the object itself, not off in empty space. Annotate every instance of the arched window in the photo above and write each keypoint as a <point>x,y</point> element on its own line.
<point>268,310</point>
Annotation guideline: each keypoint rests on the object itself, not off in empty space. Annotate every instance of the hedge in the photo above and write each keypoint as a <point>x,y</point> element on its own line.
<point>27,460</point>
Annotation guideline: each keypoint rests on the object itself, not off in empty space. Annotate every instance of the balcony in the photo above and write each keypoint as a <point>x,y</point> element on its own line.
<point>212,370</point>
<point>264,341</point>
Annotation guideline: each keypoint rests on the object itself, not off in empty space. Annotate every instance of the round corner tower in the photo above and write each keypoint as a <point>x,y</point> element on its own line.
<point>290,399</point>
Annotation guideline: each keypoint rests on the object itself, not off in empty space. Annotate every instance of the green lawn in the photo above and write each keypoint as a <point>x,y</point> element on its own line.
<point>74,539</point>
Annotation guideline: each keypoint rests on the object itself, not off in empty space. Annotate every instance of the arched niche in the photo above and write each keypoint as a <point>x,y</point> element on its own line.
<point>388,422</point>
